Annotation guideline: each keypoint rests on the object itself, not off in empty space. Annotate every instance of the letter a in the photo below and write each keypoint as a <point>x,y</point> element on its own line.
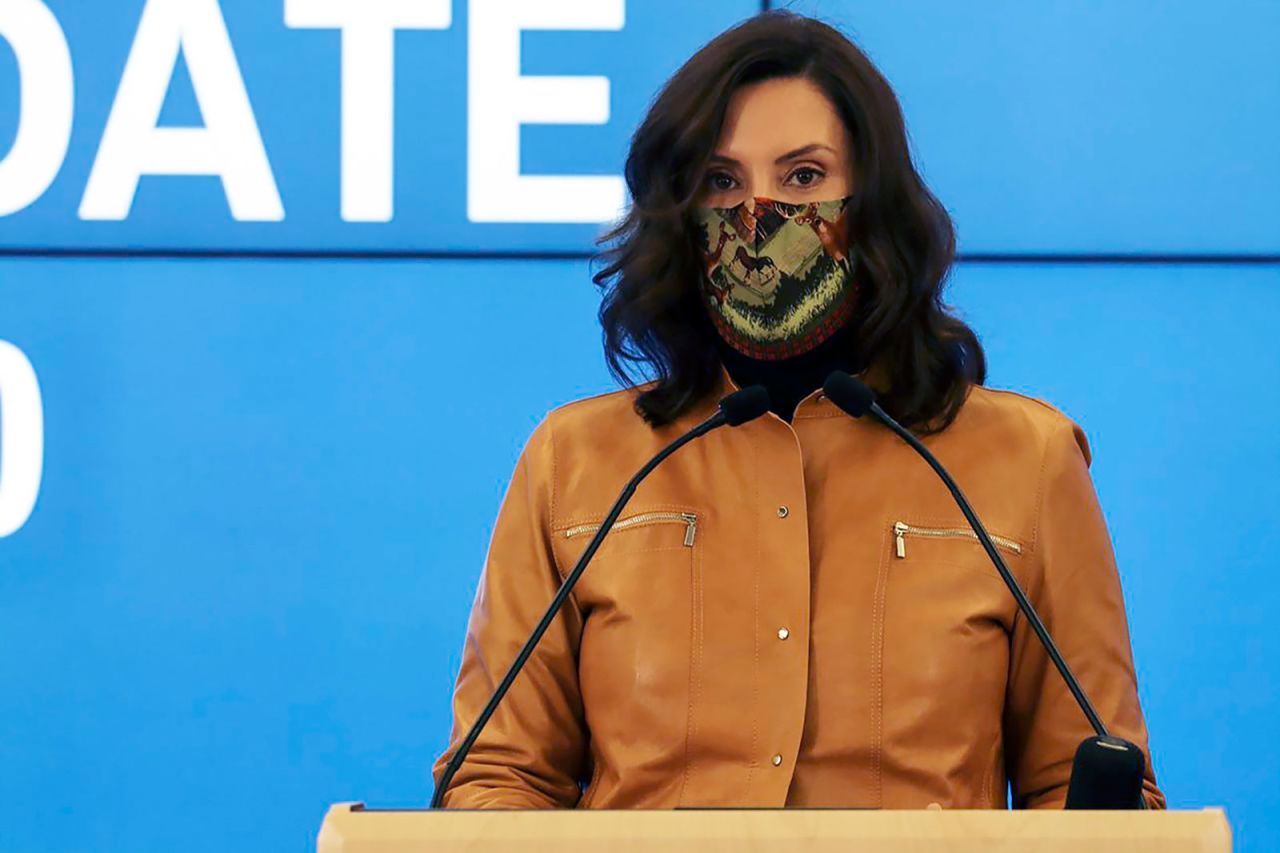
<point>228,145</point>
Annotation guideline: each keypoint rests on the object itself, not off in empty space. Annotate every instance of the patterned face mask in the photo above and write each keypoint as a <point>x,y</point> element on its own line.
<point>778,277</point>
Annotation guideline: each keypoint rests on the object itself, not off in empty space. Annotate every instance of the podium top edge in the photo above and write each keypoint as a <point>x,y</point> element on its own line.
<point>360,807</point>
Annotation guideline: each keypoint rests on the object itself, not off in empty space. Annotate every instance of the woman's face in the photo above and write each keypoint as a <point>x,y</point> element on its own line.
<point>782,139</point>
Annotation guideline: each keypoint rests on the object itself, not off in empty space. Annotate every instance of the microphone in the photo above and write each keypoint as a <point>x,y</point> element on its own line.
<point>1107,771</point>
<point>1106,774</point>
<point>735,410</point>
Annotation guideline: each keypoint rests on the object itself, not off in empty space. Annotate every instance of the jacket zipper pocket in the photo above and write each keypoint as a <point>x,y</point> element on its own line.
<point>689,520</point>
<point>901,530</point>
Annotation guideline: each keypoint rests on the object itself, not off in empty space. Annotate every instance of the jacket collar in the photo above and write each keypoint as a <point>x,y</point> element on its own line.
<point>875,376</point>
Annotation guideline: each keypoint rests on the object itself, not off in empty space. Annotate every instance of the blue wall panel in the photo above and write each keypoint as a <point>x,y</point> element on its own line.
<point>268,490</point>
<point>269,486</point>
<point>1104,126</point>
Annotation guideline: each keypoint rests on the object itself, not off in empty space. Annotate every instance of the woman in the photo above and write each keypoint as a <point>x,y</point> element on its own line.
<point>790,612</point>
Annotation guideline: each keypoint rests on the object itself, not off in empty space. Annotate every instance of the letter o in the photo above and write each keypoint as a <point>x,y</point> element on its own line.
<point>21,438</point>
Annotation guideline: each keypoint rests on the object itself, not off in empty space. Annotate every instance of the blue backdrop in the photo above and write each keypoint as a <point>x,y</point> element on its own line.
<point>266,479</point>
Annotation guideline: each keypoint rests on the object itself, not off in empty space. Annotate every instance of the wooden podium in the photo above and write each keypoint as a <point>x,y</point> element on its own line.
<point>351,828</point>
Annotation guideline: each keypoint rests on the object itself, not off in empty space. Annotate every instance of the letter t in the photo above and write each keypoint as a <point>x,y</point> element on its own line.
<point>368,88</point>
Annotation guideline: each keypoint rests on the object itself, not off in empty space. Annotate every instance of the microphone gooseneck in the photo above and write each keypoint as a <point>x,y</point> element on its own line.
<point>856,399</point>
<point>735,409</point>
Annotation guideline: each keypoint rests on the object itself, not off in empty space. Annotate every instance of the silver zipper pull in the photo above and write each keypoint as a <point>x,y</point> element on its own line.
<point>900,535</point>
<point>691,528</point>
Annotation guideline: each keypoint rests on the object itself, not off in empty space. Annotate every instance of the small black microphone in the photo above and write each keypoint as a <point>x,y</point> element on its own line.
<point>735,409</point>
<point>1103,764</point>
<point>745,405</point>
<point>1106,774</point>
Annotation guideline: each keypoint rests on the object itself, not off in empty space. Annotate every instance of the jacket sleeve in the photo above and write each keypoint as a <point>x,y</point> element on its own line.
<point>1073,582</point>
<point>531,753</point>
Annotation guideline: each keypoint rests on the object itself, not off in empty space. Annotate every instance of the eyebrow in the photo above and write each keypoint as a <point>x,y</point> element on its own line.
<point>790,155</point>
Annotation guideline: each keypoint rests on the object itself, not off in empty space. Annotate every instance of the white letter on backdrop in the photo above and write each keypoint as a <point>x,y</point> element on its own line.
<point>228,145</point>
<point>46,98</point>
<point>21,438</point>
<point>368,88</point>
<point>499,100</point>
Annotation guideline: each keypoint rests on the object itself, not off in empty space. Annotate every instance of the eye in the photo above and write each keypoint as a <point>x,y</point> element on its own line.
<point>715,182</point>
<point>812,175</point>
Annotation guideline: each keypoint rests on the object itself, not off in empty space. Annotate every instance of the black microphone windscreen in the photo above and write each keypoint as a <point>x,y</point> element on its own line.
<point>849,393</point>
<point>1106,774</point>
<point>745,405</point>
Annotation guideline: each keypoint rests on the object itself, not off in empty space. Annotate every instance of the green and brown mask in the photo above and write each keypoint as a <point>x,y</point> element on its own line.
<point>778,276</point>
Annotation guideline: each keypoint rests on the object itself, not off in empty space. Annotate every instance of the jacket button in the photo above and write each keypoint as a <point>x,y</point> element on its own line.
<point>783,633</point>
<point>777,759</point>
<point>783,512</point>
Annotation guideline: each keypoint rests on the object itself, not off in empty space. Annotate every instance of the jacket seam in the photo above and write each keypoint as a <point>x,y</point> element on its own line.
<point>657,550</point>
<point>877,664</point>
<point>695,670</point>
<point>551,439</point>
<point>551,528</point>
<point>755,621</point>
<point>1034,545</point>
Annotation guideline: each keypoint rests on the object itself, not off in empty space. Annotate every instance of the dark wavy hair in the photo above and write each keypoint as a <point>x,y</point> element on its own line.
<point>903,239</point>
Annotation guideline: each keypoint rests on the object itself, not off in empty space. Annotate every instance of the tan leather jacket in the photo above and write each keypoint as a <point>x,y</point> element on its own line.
<point>793,614</point>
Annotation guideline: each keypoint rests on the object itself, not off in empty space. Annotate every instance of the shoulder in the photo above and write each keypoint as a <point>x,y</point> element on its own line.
<point>1019,420</point>
<point>584,450</point>
<point>596,425</point>
<point>610,408</point>
<point>590,420</point>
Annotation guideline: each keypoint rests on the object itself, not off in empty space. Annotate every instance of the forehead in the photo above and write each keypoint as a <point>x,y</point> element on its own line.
<point>771,117</point>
